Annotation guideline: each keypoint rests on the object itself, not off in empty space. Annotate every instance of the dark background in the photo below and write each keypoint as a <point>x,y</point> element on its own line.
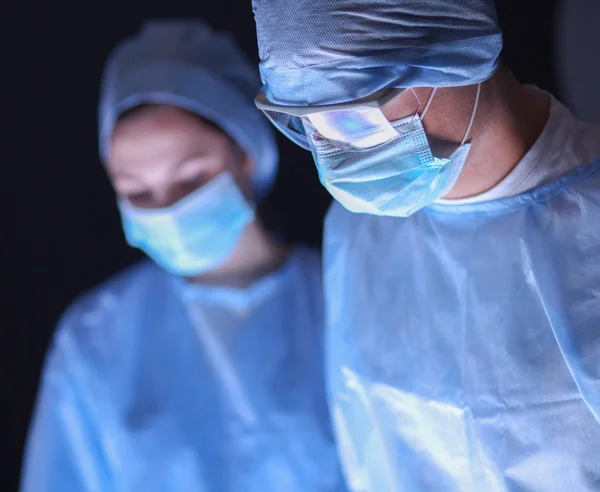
<point>59,229</point>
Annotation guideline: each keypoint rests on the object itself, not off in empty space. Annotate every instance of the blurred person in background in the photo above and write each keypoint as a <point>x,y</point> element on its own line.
<point>462,258</point>
<point>201,368</point>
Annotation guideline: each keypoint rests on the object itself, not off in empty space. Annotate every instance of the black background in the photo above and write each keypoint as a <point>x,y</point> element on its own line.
<point>59,230</point>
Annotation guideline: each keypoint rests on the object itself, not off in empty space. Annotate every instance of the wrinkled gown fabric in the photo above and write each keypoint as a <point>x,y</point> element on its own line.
<point>157,385</point>
<point>464,343</point>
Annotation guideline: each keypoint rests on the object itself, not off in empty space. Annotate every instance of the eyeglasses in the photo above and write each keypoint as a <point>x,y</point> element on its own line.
<point>357,125</point>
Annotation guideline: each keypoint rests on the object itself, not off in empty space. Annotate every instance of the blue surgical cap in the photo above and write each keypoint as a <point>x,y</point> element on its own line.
<point>188,65</point>
<point>318,52</point>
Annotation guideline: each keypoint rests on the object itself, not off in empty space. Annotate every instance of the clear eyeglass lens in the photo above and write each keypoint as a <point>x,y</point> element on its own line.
<point>357,128</point>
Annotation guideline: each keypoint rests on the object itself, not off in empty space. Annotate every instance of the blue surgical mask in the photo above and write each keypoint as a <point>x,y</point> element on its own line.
<point>395,179</point>
<point>194,235</point>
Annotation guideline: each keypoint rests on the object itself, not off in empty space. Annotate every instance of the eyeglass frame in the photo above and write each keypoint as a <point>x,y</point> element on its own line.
<point>377,100</point>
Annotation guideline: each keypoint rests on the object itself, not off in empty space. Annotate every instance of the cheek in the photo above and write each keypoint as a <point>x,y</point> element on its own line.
<point>204,169</point>
<point>396,110</point>
<point>406,104</point>
<point>243,180</point>
<point>213,171</point>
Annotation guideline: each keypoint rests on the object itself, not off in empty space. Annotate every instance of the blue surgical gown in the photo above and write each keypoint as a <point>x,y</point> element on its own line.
<point>464,343</point>
<point>153,384</point>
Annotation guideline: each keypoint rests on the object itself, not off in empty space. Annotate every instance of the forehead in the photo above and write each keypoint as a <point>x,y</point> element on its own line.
<point>162,118</point>
<point>161,132</point>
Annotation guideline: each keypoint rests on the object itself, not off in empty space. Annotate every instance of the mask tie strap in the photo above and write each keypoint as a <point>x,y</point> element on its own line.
<point>429,101</point>
<point>418,113</point>
<point>418,110</point>
<point>417,98</point>
<point>475,107</point>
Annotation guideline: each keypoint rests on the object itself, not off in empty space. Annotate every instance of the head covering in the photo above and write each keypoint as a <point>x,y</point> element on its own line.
<point>318,52</point>
<point>188,65</point>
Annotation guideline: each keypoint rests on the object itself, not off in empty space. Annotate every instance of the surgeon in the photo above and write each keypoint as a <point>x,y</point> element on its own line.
<point>201,368</point>
<point>462,254</point>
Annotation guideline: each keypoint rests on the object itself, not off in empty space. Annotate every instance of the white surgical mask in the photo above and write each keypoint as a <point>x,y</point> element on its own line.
<point>194,235</point>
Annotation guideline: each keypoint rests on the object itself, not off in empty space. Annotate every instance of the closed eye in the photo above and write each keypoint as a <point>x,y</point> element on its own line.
<point>142,199</point>
<point>192,183</point>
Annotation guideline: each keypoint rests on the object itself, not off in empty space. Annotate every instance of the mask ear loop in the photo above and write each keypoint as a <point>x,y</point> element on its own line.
<point>475,107</point>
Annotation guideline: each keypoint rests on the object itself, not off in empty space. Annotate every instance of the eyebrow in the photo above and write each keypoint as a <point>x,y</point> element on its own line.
<point>174,168</point>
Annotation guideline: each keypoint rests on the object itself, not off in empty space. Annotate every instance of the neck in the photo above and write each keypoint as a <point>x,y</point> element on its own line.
<point>509,121</point>
<point>256,255</point>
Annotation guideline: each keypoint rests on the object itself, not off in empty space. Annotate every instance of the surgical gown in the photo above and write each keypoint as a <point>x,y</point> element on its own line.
<point>157,385</point>
<point>464,343</point>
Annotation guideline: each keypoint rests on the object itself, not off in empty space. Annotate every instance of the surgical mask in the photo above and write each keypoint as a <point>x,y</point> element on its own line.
<point>395,179</point>
<point>194,235</point>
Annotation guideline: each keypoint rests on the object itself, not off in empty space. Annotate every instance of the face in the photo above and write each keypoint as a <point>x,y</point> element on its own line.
<point>160,154</point>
